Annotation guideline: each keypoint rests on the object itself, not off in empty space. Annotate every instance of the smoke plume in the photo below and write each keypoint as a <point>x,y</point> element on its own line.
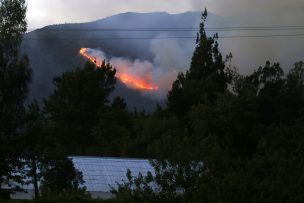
<point>169,59</point>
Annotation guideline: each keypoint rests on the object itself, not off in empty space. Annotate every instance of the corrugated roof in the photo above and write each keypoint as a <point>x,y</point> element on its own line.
<point>100,174</point>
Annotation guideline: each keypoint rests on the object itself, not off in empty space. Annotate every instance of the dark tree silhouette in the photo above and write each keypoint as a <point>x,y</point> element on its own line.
<point>206,77</point>
<point>15,76</point>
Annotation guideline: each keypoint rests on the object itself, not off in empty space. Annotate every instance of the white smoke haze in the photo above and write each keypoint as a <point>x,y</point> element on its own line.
<point>163,59</point>
<point>249,53</point>
<point>138,69</point>
<point>170,58</point>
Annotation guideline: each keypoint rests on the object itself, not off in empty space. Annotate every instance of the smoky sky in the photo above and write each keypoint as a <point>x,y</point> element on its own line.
<point>170,58</point>
<point>45,12</point>
<point>234,13</point>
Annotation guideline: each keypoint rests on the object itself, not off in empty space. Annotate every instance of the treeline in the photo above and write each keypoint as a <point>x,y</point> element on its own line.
<point>27,154</point>
<point>223,136</point>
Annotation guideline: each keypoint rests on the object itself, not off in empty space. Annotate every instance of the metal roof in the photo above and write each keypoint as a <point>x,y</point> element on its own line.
<point>100,174</point>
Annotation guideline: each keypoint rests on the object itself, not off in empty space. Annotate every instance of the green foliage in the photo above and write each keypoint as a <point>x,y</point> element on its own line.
<point>12,26</point>
<point>249,139</point>
<point>35,144</point>
<point>15,76</point>
<point>113,130</point>
<point>157,135</point>
<point>206,77</point>
<point>61,179</point>
<point>225,137</point>
<point>75,105</point>
<point>246,146</point>
<point>136,189</point>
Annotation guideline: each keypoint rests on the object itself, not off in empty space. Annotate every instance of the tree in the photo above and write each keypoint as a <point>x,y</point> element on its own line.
<point>169,136</point>
<point>60,178</point>
<point>294,94</point>
<point>15,76</point>
<point>75,104</point>
<point>248,137</point>
<point>12,27</point>
<point>113,130</point>
<point>174,141</point>
<point>269,84</point>
<point>206,77</point>
<point>136,189</point>
<point>35,144</point>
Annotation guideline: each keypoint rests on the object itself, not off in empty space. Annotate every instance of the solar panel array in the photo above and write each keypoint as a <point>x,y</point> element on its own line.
<point>100,174</point>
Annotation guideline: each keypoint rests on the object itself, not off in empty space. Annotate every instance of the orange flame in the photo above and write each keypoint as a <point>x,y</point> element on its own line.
<point>125,78</point>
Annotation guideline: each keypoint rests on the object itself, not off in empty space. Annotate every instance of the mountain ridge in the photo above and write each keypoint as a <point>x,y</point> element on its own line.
<point>52,50</point>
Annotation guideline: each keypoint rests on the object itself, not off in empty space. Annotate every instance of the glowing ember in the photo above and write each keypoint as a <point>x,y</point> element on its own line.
<point>125,78</point>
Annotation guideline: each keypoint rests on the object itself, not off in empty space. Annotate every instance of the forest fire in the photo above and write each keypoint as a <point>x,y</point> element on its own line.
<point>127,78</point>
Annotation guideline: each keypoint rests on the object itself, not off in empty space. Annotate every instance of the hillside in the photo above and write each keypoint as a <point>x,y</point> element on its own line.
<point>54,49</point>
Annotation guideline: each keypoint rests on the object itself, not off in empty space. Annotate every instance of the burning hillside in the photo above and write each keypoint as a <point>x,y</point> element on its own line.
<point>133,74</point>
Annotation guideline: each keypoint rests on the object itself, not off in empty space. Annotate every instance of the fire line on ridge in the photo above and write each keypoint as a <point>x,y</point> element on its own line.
<point>126,78</point>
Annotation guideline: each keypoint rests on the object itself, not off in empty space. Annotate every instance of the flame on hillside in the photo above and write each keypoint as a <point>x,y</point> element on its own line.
<point>123,73</point>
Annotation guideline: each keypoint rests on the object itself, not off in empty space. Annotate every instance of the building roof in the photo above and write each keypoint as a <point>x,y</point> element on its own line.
<point>100,174</point>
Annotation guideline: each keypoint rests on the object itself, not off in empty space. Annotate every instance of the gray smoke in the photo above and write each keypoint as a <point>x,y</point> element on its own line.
<point>163,59</point>
<point>249,53</point>
<point>170,58</point>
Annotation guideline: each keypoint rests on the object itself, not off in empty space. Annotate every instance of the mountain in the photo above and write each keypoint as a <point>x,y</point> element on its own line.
<point>55,48</point>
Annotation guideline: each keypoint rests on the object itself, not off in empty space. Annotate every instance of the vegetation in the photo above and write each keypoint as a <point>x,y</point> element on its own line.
<point>15,76</point>
<point>22,141</point>
<point>223,137</point>
<point>61,179</point>
<point>75,105</point>
<point>241,142</point>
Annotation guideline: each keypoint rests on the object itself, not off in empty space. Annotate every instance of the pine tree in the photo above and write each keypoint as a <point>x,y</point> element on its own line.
<point>75,104</point>
<point>206,77</point>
